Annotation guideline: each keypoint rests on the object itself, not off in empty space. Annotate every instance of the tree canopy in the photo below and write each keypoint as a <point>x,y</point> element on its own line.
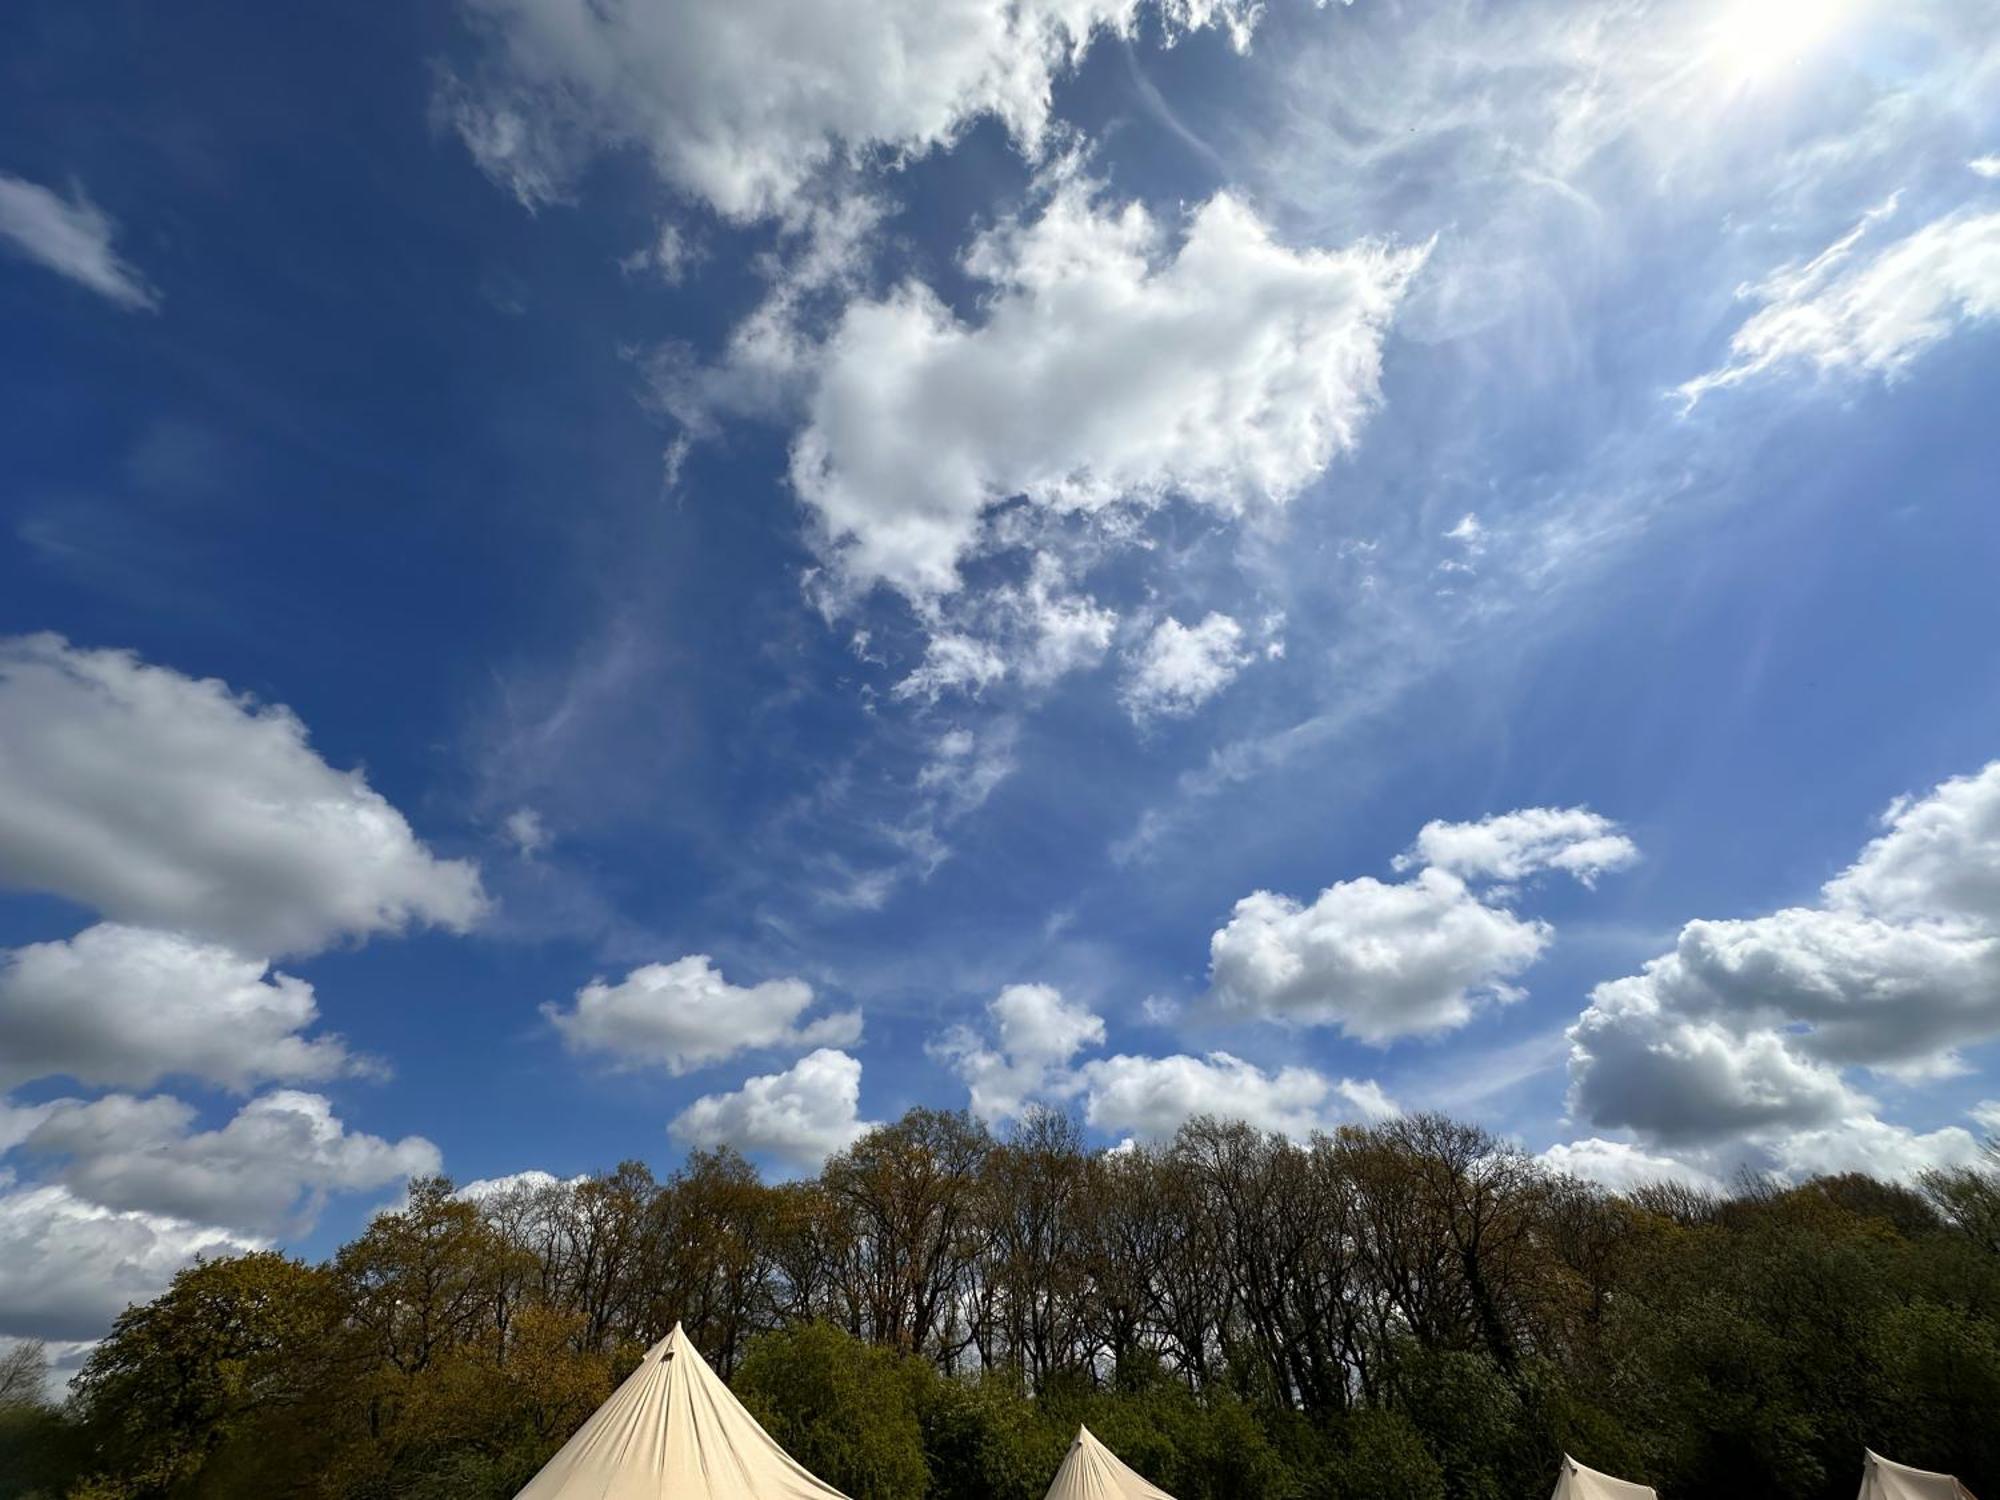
<point>1410,1311</point>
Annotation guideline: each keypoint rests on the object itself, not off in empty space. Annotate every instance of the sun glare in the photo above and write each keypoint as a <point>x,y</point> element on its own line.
<point>1754,39</point>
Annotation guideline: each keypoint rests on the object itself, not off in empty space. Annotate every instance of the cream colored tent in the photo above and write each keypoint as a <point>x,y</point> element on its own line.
<point>673,1431</point>
<point>1093,1472</point>
<point>1578,1483</point>
<point>1882,1480</point>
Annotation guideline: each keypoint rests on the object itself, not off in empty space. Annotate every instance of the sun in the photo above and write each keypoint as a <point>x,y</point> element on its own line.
<point>1751,40</point>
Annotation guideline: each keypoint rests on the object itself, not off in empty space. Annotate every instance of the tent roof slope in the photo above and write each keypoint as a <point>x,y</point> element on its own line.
<point>1576,1482</point>
<point>1883,1480</point>
<point>673,1431</point>
<point>1092,1471</point>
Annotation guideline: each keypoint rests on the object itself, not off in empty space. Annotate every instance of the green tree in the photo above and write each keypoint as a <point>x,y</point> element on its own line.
<point>842,1408</point>
<point>229,1341</point>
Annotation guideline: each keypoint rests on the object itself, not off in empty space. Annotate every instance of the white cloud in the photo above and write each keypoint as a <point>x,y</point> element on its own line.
<point>171,802</point>
<point>1377,960</point>
<point>264,1173</point>
<point>799,1116</point>
<point>1036,1033</point>
<point>1874,317</point>
<point>1985,166</point>
<point>530,1180</point>
<point>1621,1166</point>
<point>684,1015</point>
<point>1939,858</point>
<point>1894,1153</point>
<point>526,832</point>
<point>1637,1065</point>
<point>1851,989</point>
<point>745,104</point>
<point>1066,632</point>
<point>128,1006</point>
<point>1152,1097</point>
<point>670,256</point>
<point>1514,845</point>
<point>72,238</point>
<point>1109,367</point>
<point>1745,1033</point>
<point>1368,1099</point>
<point>953,663</point>
<point>1035,631</point>
<point>1181,667</point>
<point>68,1266</point>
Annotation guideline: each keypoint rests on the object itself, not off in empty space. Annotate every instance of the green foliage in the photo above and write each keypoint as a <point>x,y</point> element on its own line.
<point>1408,1312</point>
<point>983,1438</point>
<point>842,1408</point>
<point>229,1342</point>
<point>1382,1456</point>
<point>1474,1420</point>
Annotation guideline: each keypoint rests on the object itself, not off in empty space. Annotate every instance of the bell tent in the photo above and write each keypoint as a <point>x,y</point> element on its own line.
<point>1092,1471</point>
<point>1575,1482</point>
<point>673,1431</point>
<point>1882,1480</point>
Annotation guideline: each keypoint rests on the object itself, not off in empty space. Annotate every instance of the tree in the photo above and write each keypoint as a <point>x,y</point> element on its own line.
<point>911,1189</point>
<point>24,1372</point>
<point>228,1342</point>
<point>841,1407</point>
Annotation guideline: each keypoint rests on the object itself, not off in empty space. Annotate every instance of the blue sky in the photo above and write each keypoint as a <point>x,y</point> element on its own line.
<point>585,580</point>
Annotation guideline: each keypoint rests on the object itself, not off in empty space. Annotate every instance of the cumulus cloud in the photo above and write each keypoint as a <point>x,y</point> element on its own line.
<point>72,237</point>
<point>800,1116</point>
<point>1152,1097</point>
<point>1180,667</point>
<point>1837,316</point>
<point>1748,1031</point>
<point>1621,1166</point>
<point>1378,960</point>
<point>1110,366</point>
<point>530,1180</point>
<point>1512,846</point>
<point>69,1266</point>
<point>1634,1063</point>
<point>1937,859</point>
<point>1035,1034</point>
<point>744,104</point>
<point>266,1172</point>
<point>1876,1147</point>
<point>685,1015</point>
<point>128,1006</point>
<point>172,802</point>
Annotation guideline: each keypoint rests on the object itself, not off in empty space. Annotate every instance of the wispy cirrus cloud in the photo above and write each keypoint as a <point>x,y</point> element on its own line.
<point>72,237</point>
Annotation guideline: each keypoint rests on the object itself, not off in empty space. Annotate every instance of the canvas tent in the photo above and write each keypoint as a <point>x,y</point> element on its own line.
<point>1882,1480</point>
<point>1575,1482</point>
<point>673,1431</point>
<point>1092,1471</point>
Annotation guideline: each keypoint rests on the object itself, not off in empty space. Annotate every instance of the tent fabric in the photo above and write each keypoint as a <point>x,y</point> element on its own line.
<point>1883,1480</point>
<point>673,1430</point>
<point>1092,1471</point>
<point>1575,1482</point>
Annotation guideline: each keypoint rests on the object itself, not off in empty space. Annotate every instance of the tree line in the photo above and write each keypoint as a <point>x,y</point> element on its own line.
<point>1409,1311</point>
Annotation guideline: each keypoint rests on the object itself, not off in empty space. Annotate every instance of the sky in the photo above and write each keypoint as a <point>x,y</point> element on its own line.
<point>586,579</point>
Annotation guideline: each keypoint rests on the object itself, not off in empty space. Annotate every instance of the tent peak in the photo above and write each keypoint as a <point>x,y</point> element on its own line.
<point>673,1428</point>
